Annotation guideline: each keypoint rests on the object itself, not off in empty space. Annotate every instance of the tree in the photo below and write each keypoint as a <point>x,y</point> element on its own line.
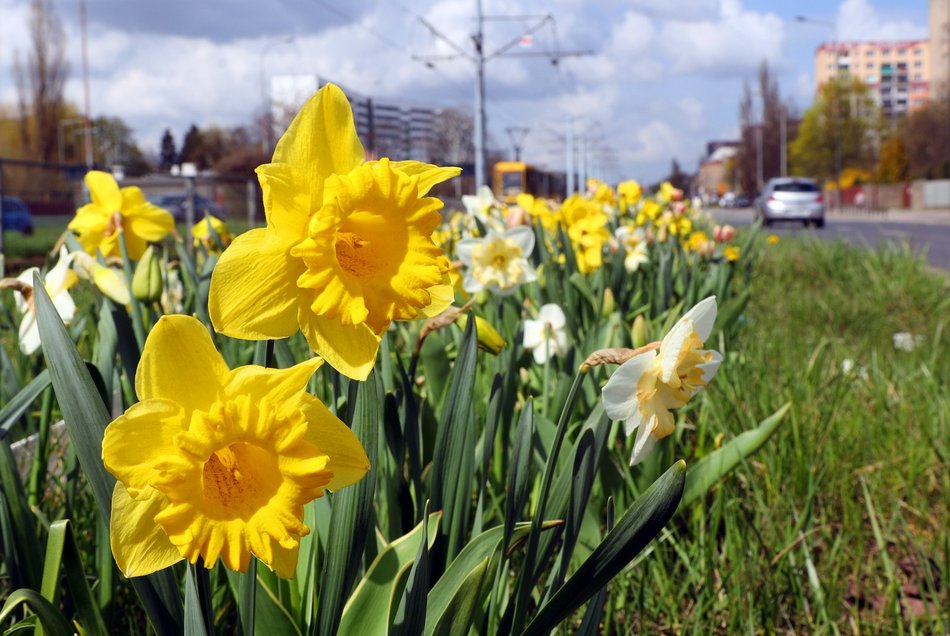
<point>40,83</point>
<point>453,143</point>
<point>843,112</point>
<point>927,138</point>
<point>116,146</point>
<point>191,148</point>
<point>894,163</point>
<point>768,126</point>
<point>168,155</point>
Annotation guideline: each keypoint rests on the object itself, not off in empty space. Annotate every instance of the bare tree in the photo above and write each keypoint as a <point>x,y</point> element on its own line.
<point>453,139</point>
<point>40,82</point>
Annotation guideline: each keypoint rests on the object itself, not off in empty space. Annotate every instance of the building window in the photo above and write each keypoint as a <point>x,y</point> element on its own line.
<point>885,51</point>
<point>918,77</point>
<point>831,67</point>
<point>901,51</point>
<point>918,51</point>
<point>918,64</point>
<point>870,65</point>
<point>871,79</point>
<point>870,53</point>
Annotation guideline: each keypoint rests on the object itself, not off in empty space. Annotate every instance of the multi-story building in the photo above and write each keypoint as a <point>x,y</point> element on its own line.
<point>939,22</point>
<point>898,72</point>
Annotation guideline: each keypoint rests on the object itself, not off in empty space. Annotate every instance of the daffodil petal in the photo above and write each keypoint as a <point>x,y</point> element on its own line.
<point>553,315</point>
<point>710,368</point>
<point>620,392</point>
<point>441,297</point>
<point>322,139</point>
<point>284,560</point>
<point>348,460</point>
<point>29,334</point>
<point>523,237</point>
<point>287,203</point>
<point>350,349</point>
<point>463,250</point>
<point>180,363</point>
<point>254,293</point>
<point>429,175</point>
<point>703,315</point>
<point>671,346</point>
<point>145,219</point>
<point>277,385</point>
<point>643,444</point>
<point>139,545</point>
<point>103,190</point>
<point>533,334</point>
<point>133,442</point>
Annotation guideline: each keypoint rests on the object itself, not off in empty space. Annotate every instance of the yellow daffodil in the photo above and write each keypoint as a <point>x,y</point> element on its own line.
<point>203,235</point>
<point>347,248</point>
<point>588,236</point>
<point>773,239</point>
<point>214,463</point>
<point>731,253</point>
<point>649,212</point>
<point>539,210</point>
<point>546,336</point>
<point>57,282</point>
<point>112,210</point>
<point>668,193</point>
<point>498,262</point>
<point>629,192</point>
<point>644,389</point>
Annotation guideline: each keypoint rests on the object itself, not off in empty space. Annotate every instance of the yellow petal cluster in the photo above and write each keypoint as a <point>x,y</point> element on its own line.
<point>113,210</point>
<point>218,464</point>
<point>347,248</point>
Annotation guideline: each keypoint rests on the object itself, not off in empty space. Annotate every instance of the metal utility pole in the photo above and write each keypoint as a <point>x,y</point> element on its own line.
<point>478,40</point>
<point>479,58</point>
<point>87,139</point>
<point>517,134</point>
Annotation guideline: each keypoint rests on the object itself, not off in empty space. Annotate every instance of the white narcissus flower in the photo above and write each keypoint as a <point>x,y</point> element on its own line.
<point>58,281</point>
<point>645,388</point>
<point>634,246</point>
<point>498,262</point>
<point>547,335</point>
<point>480,205</point>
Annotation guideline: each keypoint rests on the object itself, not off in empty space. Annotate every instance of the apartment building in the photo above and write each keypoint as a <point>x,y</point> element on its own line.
<point>898,72</point>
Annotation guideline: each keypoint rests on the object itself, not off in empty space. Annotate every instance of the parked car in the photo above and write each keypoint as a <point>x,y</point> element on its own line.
<point>17,216</point>
<point>175,203</point>
<point>791,199</point>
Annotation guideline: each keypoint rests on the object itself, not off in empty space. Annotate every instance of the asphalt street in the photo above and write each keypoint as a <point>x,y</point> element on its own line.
<point>924,231</point>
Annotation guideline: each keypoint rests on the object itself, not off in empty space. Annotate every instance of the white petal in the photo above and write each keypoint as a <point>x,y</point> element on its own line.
<point>56,277</point>
<point>471,285</point>
<point>710,368</point>
<point>29,334</point>
<point>65,306</point>
<point>561,339</point>
<point>543,351</point>
<point>620,392</point>
<point>25,277</point>
<point>523,237</point>
<point>671,346</point>
<point>703,316</point>
<point>553,315</point>
<point>533,333</point>
<point>529,275</point>
<point>644,443</point>
<point>463,250</point>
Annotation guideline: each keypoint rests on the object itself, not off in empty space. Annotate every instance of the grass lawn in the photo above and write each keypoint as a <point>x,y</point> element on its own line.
<point>842,521</point>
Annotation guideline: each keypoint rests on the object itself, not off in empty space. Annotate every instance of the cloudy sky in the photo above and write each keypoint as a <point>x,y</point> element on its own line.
<point>661,78</point>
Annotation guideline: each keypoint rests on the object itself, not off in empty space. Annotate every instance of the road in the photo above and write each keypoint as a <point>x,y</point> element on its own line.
<point>923,231</point>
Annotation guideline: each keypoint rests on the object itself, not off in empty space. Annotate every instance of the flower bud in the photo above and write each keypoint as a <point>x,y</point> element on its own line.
<point>147,279</point>
<point>640,332</point>
<point>609,303</point>
<point>488,337</point>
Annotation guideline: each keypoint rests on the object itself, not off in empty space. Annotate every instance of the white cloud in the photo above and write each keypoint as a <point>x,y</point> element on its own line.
<point>860,20</point>
<point>693,112</point>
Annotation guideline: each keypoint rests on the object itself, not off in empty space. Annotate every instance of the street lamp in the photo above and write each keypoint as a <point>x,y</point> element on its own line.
<point>266,124</point>
<point>836,124</point>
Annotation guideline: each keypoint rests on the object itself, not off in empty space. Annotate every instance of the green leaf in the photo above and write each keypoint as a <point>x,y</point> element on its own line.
<point>62,551</point>
<point>458,616</point>
<point>86,419</point>
<point>441,604</point>
<point>269,613</point>
<point>521,474</point>
<point>21,544</point>
<point>453,460</point>
<point>107,342</point>
<point>642,521</point>
<point>19,403</point>
<point>351,520</point>
<point>194,613</point>
<point>411,612</point>
<point>367,611</point>
<point>711,468</point>
<point>50,618</point>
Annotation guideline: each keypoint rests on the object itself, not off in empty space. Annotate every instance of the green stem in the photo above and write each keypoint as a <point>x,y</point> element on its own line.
<point>526,582</point>
<point>41,451</point>
<point>137,325</point>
